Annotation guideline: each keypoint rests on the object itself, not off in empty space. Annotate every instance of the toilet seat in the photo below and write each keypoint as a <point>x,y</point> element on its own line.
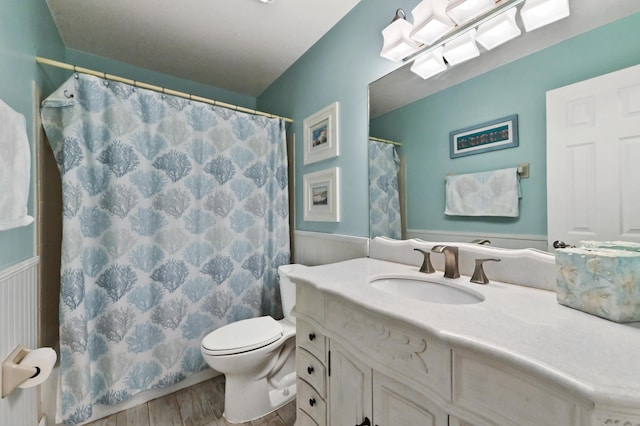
<point>242,336</point>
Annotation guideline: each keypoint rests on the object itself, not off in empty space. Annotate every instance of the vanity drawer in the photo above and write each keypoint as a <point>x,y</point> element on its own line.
<point>311,403</point>
<point>310,369</point>
<point>307,337</point>
<point>508,396</point>
<point>303,419</point>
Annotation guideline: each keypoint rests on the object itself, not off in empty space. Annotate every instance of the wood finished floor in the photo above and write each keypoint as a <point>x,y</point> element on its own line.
<point>198,405</point>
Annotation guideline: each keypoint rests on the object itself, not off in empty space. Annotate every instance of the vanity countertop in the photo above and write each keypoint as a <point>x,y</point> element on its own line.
<point>596,358</point>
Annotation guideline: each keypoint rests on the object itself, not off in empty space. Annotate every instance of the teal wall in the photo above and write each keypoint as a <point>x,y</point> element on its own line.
<point>339,67</point>
<point>342,64</point>
<point>121,69</point>
<point>515,88</point>
<point>26,31</point>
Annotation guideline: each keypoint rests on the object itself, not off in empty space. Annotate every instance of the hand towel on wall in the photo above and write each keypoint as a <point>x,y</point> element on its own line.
<point>15,169</point>
<point>493,193</point>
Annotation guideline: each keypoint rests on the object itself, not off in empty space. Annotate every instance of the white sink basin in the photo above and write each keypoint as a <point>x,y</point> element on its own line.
<point>427,291</point>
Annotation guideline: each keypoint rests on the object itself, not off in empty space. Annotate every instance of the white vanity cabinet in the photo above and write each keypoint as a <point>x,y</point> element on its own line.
<point>373,370</point>
<point>311,375</point>
<point>356,366</point>
<point>358,393</point>
<point>516,359</point>
<point>349,388</point>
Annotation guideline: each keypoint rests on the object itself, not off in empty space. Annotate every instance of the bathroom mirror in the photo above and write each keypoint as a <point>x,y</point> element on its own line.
<point>420,114</point>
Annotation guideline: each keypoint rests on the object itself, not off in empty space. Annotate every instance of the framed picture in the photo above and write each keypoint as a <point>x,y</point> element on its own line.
<point>322,196</point>
<point>321,134</point>
<point>491,136</point>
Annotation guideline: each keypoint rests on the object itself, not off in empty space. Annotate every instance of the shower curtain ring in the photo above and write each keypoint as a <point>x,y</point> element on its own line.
<point>75,73</point>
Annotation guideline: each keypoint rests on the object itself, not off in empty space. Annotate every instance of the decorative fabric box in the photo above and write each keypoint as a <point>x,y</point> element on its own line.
<point>616,245</point>
<point>600,281</point>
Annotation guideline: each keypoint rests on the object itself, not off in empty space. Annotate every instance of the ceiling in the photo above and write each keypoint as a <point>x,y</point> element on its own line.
<point>238,45</point>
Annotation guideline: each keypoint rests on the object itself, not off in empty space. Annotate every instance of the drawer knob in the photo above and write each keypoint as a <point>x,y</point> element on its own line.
<point>310,370</point>
<point>365,422</point>
<point>312,336</point>
<point>312,401</point>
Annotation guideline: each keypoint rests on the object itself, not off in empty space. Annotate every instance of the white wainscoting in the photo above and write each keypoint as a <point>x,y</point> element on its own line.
<point>317,248</point>
<point>512,241</point>
<point>19,326</point>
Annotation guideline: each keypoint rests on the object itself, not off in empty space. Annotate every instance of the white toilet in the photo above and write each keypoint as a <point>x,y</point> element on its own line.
<point>257,357</point>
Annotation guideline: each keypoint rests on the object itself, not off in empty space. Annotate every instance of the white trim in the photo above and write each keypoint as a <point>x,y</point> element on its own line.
<point>18,267</point>
<point>335,237</point>
<point>317,248</point>
<point>513,241</point>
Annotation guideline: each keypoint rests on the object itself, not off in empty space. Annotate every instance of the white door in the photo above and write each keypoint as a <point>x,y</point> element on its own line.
<point>593,159</point>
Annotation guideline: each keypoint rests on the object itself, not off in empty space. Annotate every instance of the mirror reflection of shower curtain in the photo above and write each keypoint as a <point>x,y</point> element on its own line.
<point>175,220</point>
<point>385,217</point>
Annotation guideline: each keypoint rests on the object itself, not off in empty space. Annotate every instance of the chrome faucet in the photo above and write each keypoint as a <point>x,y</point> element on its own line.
<point>450,260</point>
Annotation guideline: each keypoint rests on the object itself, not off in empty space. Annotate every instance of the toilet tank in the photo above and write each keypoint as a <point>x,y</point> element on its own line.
<point>287,291</point>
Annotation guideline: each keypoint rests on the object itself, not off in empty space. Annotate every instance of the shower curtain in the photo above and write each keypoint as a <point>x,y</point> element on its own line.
<point>175,220</point>
<point>384,199</point>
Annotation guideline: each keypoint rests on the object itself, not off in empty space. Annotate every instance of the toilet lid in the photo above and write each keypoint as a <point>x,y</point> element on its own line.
<point>242,336</point>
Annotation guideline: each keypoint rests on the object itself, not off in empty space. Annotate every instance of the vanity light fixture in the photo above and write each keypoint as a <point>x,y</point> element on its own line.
<point>397,41</point>
<point>538,13</point>
<point>462,11</point>
<point>429,65</point>
<point>430,22</point>
<point>498,30</point>
<point>490,28</point>
<point>462,48</point>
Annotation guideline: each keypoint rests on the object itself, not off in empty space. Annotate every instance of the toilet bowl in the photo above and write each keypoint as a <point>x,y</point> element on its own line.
<point>257,357</point>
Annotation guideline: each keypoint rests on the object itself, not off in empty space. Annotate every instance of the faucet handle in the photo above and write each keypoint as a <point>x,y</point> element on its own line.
<point>426,267</point>
<point>481,241</point>
<point>479,277</point>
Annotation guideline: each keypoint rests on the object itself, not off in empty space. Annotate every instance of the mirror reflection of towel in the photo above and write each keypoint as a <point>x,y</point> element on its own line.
<point>15,169</point>
<point>493,193</point>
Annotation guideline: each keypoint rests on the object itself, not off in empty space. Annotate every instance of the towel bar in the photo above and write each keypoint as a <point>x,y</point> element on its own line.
<point>523,171</point>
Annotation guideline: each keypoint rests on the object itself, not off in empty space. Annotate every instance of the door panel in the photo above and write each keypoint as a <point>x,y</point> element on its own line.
<point>593,150</point>
<point>349,388</point>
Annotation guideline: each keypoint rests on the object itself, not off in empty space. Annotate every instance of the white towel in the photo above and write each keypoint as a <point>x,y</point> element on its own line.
<point>494,193</point>
<point>15,169</point>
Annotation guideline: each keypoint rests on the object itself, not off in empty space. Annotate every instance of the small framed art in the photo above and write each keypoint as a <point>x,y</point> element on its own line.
<point>322,196</point>
<point>321,134</point>
<point>490,136</point>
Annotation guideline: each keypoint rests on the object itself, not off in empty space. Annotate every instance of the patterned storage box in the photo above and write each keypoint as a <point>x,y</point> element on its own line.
<point>616,245</point>
<point>600,281</point>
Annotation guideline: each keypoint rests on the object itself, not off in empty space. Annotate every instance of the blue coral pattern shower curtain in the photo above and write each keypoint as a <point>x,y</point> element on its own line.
<point>175,220</point>
<point>384,198</point>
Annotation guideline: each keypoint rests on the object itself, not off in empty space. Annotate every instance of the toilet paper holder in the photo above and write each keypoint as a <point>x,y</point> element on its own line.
<point>13,374</point>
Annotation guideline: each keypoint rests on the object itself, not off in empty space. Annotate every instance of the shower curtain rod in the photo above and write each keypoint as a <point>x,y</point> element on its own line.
<point>160,89</point>
<point>385,141</point>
